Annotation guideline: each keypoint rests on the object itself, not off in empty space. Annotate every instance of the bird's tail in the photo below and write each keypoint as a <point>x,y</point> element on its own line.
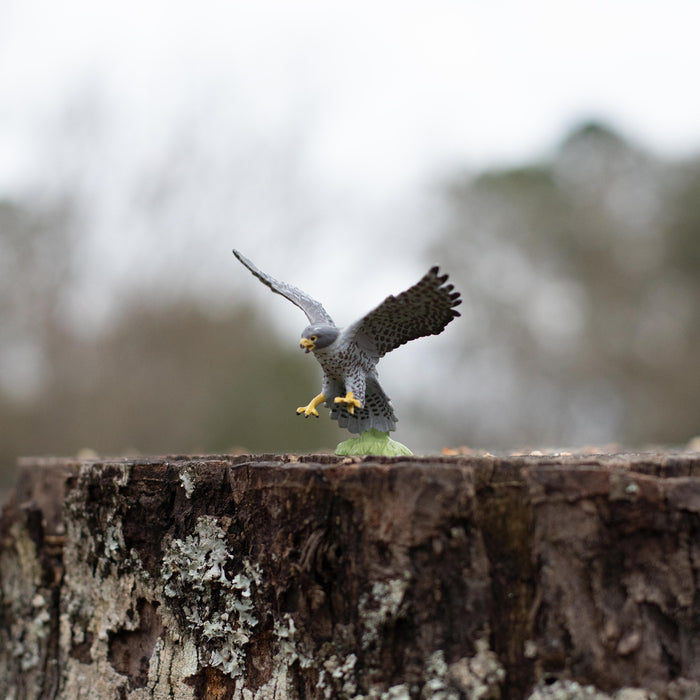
<point>377,411</point>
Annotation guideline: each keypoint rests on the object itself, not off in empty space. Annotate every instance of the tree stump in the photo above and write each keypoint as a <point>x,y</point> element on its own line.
<point>284,576</point>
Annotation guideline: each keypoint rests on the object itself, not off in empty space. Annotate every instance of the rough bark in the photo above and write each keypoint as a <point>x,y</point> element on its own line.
<point>318,577</point>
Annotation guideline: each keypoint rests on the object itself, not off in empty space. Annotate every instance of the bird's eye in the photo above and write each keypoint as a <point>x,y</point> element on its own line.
<point>314,338</point>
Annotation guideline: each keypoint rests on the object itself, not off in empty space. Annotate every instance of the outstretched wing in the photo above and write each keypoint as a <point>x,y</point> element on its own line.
<point>313,309</point>
<point>424,309</point>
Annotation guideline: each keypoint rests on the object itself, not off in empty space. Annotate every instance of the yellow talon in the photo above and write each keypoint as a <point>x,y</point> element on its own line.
<point>310,410</point>
<point>351,403</point>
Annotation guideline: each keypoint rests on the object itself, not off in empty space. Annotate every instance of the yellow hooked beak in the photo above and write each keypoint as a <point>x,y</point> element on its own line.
<point>307,344</point>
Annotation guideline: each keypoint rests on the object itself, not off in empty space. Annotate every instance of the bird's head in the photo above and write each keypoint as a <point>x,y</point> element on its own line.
<point>317,337</point>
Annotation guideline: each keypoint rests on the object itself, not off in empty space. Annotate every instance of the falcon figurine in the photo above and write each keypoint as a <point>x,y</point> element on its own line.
<point>349,356</point>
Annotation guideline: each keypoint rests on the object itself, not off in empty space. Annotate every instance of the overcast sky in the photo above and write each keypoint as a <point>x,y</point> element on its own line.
<point>379,99</point>
<point>393,89</point>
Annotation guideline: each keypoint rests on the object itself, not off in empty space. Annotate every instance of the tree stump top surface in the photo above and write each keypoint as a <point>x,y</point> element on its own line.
<point>662,462</point>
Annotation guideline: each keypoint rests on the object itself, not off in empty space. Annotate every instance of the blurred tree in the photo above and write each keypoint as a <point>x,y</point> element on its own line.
<point>37,265</point>
<point>164,376</point>
<point>172,378</point>
<point>582,279</point>
<point>682,220</point>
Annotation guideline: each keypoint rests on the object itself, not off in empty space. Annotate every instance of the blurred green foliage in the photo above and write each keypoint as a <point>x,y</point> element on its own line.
<point>582,280</point>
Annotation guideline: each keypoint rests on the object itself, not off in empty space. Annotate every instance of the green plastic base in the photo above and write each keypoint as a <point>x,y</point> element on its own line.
<point>372,442</point>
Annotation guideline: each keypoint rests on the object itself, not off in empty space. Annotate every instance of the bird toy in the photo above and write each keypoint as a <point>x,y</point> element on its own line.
<point>349,356</point>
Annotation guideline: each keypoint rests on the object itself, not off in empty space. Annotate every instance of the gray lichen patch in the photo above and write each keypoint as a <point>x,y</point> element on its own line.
<point>187,482</point>
<point>95,510</point>
<point>572,690</point>
<point>342,676</point>
<point>23,603</point>
<point>26,609</point>
<point>335,672</point>
<point>379,606</point>
<point>479,677</point>
<point>288,643</point>
<point>216,604</point>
